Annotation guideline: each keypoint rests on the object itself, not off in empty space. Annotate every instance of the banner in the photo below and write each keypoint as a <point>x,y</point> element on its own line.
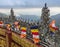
<point>52,27</point>
<point>23,32</point>
<point>1,23</point>
<point>35,34</point>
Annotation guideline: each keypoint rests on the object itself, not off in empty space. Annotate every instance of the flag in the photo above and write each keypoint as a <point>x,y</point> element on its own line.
<point>34,31</point>
<point>23,28</point>
<point>16,23</point>
<point>35,34</point>
<point>17,27</point>
<point>23,32</point>
<point>52,26</point>
<point>36,40</point>
<point>1,23</point>
<point>8,27</point>
<point>33,27</point>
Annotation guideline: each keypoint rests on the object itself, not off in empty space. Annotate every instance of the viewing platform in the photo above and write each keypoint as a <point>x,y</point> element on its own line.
<point>12,39</point>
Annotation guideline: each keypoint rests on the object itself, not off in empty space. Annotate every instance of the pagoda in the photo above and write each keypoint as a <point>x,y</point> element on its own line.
<point>45,19</point>
<point>12,17</point>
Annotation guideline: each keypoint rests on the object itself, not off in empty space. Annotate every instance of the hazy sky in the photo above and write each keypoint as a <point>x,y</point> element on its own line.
<point>31,11</point>
<point>29,3</point>
<point>33,6</point>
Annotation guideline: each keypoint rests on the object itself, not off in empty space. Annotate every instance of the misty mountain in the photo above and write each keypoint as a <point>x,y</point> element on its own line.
<point>37,18</point>
<point>33,17</point>
<point>57,18</point>
<point>3,15</point>
<point>29,17</point>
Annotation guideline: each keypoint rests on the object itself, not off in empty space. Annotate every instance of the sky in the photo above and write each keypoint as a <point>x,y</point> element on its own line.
<point>33,6</point>
<point>31,11</point>
<point>29,3</point>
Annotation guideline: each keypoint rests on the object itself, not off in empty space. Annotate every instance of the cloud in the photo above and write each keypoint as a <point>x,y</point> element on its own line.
<point>6,3</point>
<point>32,11</point>
<point>29,3</point>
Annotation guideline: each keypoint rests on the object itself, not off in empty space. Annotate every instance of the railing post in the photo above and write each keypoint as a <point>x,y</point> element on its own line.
<point>8,38</point>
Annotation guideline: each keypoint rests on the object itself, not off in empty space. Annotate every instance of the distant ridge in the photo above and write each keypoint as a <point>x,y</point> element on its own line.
<point>29,17</point>
<point>57,18</point>
<point>3,15</point>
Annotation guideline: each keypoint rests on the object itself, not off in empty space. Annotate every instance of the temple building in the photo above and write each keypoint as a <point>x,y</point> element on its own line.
<point>45,18</point>
<point>12,16</point>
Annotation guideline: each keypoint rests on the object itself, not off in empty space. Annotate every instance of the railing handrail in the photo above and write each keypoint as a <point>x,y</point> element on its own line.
<point>19,40</point>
